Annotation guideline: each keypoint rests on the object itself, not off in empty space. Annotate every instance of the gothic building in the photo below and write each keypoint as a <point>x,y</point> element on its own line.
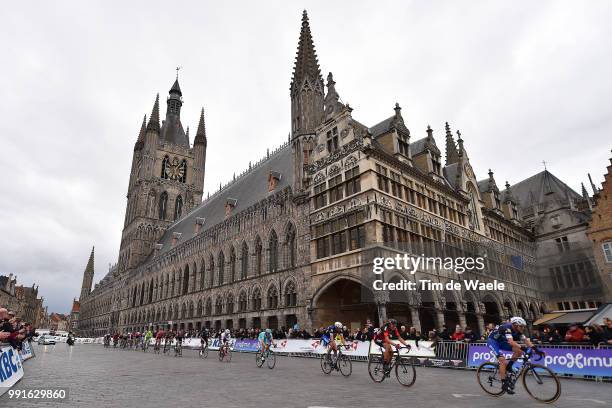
<point>292,238</point>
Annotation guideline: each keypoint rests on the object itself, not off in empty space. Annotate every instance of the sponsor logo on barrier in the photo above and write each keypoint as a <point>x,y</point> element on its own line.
<point>26,351</point>
<point>11,369</point>
<point>581,362</point>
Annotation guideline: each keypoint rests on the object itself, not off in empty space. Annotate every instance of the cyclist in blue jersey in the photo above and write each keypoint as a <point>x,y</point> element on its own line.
<point>265,340</point>
<point>328,339</point>
<point>506,337</point>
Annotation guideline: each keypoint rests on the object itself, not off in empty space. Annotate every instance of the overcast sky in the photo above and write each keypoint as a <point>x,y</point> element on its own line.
<point>523,81</point>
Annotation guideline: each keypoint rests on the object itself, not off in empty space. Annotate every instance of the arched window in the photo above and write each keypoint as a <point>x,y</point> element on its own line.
<point>183,171</point>
<point>163,205</point>
<point>272,298</point>
<point>258,256</point>
<point>242,302</point>
<point>164,170</point>
<point>190,313</point>
<point>219,306</point>
<point>244,264</point>
<point>229,304</point>
<point>232,264</point>
<point>199,309</point>
<point>178,208</point>
<point>211,268</point>
<point>186,280</point>
<point>202,274</point>
<point>291,246</point>
<point>256,300</point>
<point>273,249</point>
<point>290,295</point>
<point>208,308</point>
<point>220,267</point>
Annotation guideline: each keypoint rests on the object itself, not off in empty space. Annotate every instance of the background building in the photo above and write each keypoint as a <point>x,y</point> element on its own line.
<point>600,231</point>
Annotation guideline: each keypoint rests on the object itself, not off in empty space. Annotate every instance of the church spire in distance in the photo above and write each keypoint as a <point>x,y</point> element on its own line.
<point>88,276</point>
<point>141,134</point>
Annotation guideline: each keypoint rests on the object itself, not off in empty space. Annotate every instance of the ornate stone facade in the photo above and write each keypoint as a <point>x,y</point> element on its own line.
<point>292,239</point>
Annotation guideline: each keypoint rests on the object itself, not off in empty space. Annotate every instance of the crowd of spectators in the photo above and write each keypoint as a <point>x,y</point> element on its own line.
<point>13,330</point>
<point>593,334</point>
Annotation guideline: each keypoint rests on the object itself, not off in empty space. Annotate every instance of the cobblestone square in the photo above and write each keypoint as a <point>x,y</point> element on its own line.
<point>97,377</point>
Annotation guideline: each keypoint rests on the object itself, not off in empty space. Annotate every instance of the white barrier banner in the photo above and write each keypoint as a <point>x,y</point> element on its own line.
<point>424,349</point>
<point>26,351</point>
<point>11,369</point>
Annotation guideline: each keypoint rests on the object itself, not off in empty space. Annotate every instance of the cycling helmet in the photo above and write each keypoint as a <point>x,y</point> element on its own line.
<point>269,331</point>
<point>393,322</point>
<point>227,331</point>
<point>518,320</point>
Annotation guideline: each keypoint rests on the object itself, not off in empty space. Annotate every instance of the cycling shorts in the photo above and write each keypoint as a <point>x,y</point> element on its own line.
<point>496,347</point>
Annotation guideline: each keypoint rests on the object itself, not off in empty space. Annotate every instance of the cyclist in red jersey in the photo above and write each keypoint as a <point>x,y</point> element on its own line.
<point>382,339</point>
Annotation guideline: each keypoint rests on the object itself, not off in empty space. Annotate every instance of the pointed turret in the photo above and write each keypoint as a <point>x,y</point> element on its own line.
<point>88,276</point>
<point>153,124</point>
<point>141,134</point>
<point>585,194</point>
<point>201,132</point>
<point>452,155</point>
<point>176,89</point>
<point>306,66</point>
<point>307,88</point>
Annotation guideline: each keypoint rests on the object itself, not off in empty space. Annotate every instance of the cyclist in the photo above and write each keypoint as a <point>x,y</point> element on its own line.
<point>147,338</point>
<point>381,339</point>
<point>506,337</point>
<point>203,339</point>
<point>179,341</point>
<point>226,336</point>
<point>265,340</point>
<point>328,339</point>
<point>158,338</point>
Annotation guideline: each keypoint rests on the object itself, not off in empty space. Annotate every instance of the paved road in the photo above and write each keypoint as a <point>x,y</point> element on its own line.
<point>97,377</point>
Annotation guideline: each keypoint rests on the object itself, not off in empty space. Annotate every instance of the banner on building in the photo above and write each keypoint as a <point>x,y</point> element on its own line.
<point>11,369</point>
<point>561,360</point>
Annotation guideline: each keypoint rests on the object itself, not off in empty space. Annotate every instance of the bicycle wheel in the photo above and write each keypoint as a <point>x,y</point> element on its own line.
<point>204,353</point>
<point>405,372</point>
<point>221,354</point>
<point>271,359</point>
<point>259,359</point>
<point>376,369</point>
<point>488,378</point>
<point>228,355</point>
<point>345,365</point>
<point>541,383</point>
<point>326,364</point>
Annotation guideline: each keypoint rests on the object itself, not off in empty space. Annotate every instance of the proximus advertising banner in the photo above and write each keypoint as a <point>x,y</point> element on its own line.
<point>575,361</point>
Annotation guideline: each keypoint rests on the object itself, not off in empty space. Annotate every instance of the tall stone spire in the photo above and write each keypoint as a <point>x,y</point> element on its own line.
<point>141,134</point>
<point>201,132</point>
<point>153,124</point>
<point>452,155</point>
<point>307,88</point>
<point>585,194</point>
<point>88,276</point>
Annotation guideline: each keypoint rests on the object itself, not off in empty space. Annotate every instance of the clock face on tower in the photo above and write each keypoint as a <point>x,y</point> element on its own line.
<point>174,170</point>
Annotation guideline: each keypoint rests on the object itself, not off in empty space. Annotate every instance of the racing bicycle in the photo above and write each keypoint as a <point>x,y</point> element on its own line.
<point>178,349</point>
<point>539,381</point>
<point>339,362</point>
<point>266,356</point>
<point>203,349</point>
<point>225,353</point>
<point>404,369</point>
